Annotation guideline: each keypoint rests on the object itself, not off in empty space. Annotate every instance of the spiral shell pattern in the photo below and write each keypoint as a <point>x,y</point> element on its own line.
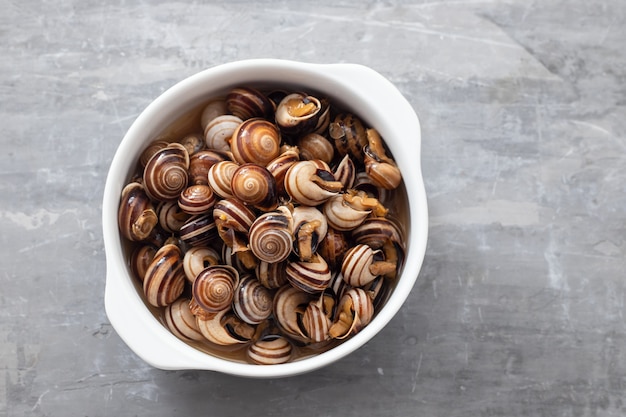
<point>220,177</point>
<point>356,264</point>
<point>136,215</point>
<point>255,185</point>
<point>181,321</point>
<point>164,280</point>
<point>214,288</point>
<point>165,175</point>
<point>271,275</point>
<point>218,132</point>
<point>316,146</point>
<point>252,302</point>
<point>271,237</point>
<point>311,277</point>
<point>315,323</point>
<point>196,199</point>
<point>281,164</point>
<point>199,230</point>
<point>247,103</point>
<point>270,350</point>
<point>198,258</point>
<point>256,141</point>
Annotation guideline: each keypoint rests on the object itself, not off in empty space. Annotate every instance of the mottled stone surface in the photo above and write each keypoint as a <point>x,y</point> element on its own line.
<point>519,308</point>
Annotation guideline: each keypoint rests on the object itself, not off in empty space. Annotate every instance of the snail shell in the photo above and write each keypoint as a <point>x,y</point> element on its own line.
<point>232,214</point>
<point>309,229</point>
<point>247,103</point>
<point>288,303</point>
<point>220,178</point>
<point>379,167</point>
<point>196,199</point>
<point>270,350</point>
<point>256,141</point>
<point>281,164</point>
<point>300,113</point>
<point>165,175</point>
<point>136,216</point>
<point>193,142</point>
<point>255,185</point>
<point>214,287</point>
<point>311,277</point>
<point>140,260</point>
<point>199,230</point>
<point>252,301</point>
<point>271,236</point>
<point>379,291</point>
<point>315,323</point>
<point>356,265</point>
<point>316,146</point>
<point>376,231</point>
<point>213,109</point>
<point>271,275</point>
<point>345,172</point>
<point>201,162</point>
<point>341,215</point>
<point>311,183</point>
<point>152,148</point>
<point>197,259</point>
<point>181,321</point>
<point>333,247</point>
<point>218,131</point>
<point>224,328</point>
<point>355,311</point>
<point>164,280</point>
<point>349,135</point>
<point>171,217</point>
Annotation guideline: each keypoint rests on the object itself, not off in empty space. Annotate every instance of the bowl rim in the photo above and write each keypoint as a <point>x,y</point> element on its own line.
<point>355,83</point>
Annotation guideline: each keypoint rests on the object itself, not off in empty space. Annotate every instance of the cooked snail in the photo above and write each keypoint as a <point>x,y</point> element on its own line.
<point>379,167</point>
<point>256,186</point>
<point>311,183</point>
<point>271,235</point>
<point>300,113</point>
<point>181,321</point>
<point>247,103</point>
<point>270,350</point>
<point>136,215</point>
<point>252,302</point>
<point>165,175</point>
<point>164,279</point>
<point>255,140</point>
<point>218,131</point>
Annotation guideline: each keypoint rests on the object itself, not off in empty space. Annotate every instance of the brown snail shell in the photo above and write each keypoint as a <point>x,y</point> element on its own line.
<point>255,141</point>
<point>136,216</point>
<point>333,247</point>
<point>199,230</point>
<point>311,277</point>
<point>281,164</point>
<point>152,148</point>
<point>289,303</point>
<point>382,170</point>
<point>214,287</point>
<point>220,178</point>
<point>300,113</point>
<point>252,302</point>
<point>247,103</point>
<point>376,231</point>
<point>349,135</point>
<point>346,172</point>
<point>309,229</point>
<point>232,214</point>
<point>164,280</point>
<point>271,235</point>
<point>316,146</point>
<point>311,183</point>
<point>197,259</point>
<point>316,323</point>
<point>218,131</point>
<point>193,142</point>
<point>140,260</point>
<point>355,311</point>
<point>255,185</point>
<point>196,199</point>
<point>165,175</point>
<point>211,110</point>
<point>171,217</point>
<point>270,350</point>
<point>357,267</point>
<point>224,328</point>
<point>271,275</point>
<point>341,215</point>
<point>181,321</point>
<point>201,162</point>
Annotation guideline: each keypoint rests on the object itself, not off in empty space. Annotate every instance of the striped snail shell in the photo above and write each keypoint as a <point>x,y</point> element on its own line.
<point>357,265</point>
<point>218,131</point>
<point>333,247</point>
<point>193,142</point>
<point>196,259</point>
<point>196,199</point>
<point>211,110</point>
<point>311,277</point>
<point>271,275</point>
<point>151,149</point>
<point>224,328</point>
<point>345,172</point>
<point>311,183</point>
<point>379,291</point>
<point>349,135</point>
<point>376,231</point>
<point>140,260</point>
<point>338,286</point>
<point>289,302</point>
<point>232,216</point>
<point>136,215</point>
<point>181,321</point>
<point>316,146</point>
<point>255,185</point>
<point>355,311</point>
<point>214,287</point>
<point>341,215</point>
<point>281,164</point>
<point>252,302</point>
<point>164,280</point>
<point>201,162</point>
<point>315,323</point>
<point>220,178</point>
<point>171,217</point>
<point>378,166</point>
<point>300,113</point>
<point>199,230</point>
<point>364,183</point>
<point>309,229</point>
<point>270,350</point>
<point>256,141</point>
<point>271,235</point>
<point>247,103</point>
<point>165,175</point>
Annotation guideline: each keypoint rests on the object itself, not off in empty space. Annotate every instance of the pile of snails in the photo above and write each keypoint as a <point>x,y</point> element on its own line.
<point>268,230</point>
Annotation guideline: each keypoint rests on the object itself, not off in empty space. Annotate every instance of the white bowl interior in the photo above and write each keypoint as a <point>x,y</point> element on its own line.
<point>367,93</point>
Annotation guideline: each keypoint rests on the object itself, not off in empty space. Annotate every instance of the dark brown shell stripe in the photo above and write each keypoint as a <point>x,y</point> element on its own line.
<point>165,279</point>
<point>165,175</point>
<point>199,230</point>
<point>252,301</point>
<point>257,141</point>
<point>308,276</point>
<point>196,199</point>
<point>246,103</point>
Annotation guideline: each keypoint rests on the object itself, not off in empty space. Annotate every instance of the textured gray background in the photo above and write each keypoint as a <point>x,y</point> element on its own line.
<point>519,307</point>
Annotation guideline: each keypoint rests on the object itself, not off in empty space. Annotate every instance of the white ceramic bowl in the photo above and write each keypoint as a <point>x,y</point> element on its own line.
<point>372,97</point>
